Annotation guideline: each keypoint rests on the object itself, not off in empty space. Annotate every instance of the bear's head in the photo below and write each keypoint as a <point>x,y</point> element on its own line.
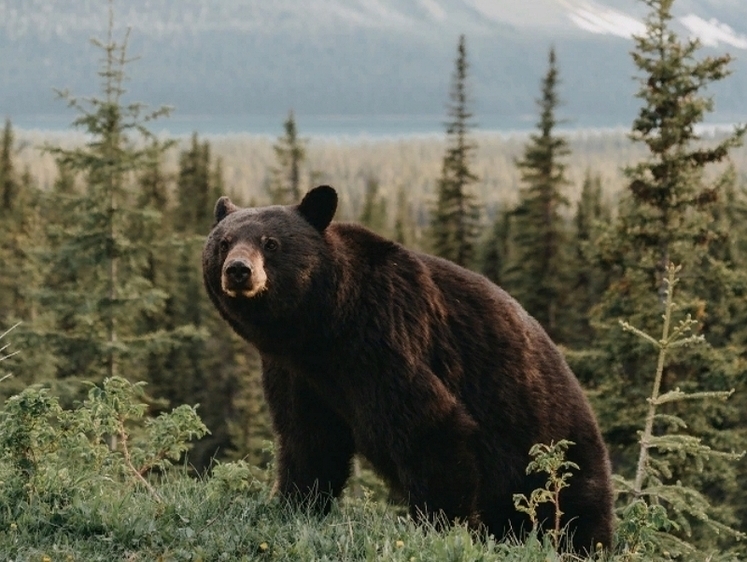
<point>262,263</point>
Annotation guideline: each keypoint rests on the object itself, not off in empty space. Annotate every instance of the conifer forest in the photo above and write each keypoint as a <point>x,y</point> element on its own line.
<point>629,247</point>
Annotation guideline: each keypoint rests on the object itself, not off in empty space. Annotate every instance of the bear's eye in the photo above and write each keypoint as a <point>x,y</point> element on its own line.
<point>270,244</point>
<point>223,246</point>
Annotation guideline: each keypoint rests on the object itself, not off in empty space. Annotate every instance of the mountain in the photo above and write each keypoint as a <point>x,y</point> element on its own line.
<point>354,57</point>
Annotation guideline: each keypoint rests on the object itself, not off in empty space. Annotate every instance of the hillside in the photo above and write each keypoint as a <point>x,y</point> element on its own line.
<point>352,57</point>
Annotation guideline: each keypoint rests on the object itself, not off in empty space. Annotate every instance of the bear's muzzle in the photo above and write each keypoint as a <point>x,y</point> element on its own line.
<point>243,272</point>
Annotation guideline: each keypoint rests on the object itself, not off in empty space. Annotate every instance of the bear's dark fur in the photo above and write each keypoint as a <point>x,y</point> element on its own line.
<point>431,372</point>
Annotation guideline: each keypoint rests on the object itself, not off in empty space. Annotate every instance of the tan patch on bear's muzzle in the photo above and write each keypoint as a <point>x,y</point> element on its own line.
<point>244,255</point>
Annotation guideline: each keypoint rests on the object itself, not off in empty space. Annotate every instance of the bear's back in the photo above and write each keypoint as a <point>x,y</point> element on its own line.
<point>479,335</point>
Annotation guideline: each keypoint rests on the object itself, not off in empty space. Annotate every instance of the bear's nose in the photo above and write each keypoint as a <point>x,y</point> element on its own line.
<point>238,272</point>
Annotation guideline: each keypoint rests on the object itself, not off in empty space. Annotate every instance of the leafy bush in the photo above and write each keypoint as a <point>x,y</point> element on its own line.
<point>51,458</point>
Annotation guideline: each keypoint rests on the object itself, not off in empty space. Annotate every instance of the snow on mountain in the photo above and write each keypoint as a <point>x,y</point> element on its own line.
<point>712,32</point>
<point>603,20</point>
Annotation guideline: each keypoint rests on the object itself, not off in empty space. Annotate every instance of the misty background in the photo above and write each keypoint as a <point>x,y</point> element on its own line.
<point>377,67</point>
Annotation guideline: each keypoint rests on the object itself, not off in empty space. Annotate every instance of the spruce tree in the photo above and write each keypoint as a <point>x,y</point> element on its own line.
<point>217,368</point>
<point>152,181</point>
<point>536,273</point>
<point>196,193</point>
<point>403,223</point>
<point>653,496</point>
<point>20,233</point>
<point>25,254</point>
<point>97,281</point>
<point>455,219</point>
<point>8,179</point>
<point>670,198</point>
<point>8,225</point>
<point>290,152</point>
<point>496,248</point>
<point>667,216</point>
<point>373,213</point>
<point>588,280</point>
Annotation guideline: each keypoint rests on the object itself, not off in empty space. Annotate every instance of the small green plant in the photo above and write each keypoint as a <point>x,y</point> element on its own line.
<point>232,477</point>
<point>639,531</point>
<point>29,443</point>
<point>549,459</point>
<point>657,505</point>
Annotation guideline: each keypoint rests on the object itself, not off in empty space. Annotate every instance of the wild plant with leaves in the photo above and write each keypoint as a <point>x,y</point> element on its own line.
<point>551,460</point>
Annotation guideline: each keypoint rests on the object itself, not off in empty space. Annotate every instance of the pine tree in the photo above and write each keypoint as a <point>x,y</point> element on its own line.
<point>290,152</point>
<point>455,219</point>
<point>536,274</point>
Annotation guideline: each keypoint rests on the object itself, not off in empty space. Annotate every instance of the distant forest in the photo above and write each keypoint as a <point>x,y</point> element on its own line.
<point>412,163</point>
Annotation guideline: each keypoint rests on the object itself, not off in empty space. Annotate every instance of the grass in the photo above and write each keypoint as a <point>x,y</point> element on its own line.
<point>199,520</point>
<point>68,492</point>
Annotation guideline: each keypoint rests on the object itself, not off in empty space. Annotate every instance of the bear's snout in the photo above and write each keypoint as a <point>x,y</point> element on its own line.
<point>243,272</point>
<point>238,273</point>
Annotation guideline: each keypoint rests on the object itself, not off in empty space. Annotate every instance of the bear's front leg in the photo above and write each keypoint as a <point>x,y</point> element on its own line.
<point>315,446</point>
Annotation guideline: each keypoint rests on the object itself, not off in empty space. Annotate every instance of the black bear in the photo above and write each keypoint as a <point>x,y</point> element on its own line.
<point>431,372</point>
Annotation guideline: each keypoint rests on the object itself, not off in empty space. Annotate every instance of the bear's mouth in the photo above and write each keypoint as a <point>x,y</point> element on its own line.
<point>247,293</point>
<point>246,288</point>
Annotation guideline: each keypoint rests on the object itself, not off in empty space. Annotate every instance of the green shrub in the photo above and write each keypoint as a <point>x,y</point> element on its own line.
<point>51,458</point>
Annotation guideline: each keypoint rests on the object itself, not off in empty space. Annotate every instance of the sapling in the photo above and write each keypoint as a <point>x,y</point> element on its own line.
<point>657,504</point>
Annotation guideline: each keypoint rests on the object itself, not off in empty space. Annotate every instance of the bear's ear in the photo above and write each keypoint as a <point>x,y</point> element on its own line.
<point>223,208</point>
<point>318,206</point>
